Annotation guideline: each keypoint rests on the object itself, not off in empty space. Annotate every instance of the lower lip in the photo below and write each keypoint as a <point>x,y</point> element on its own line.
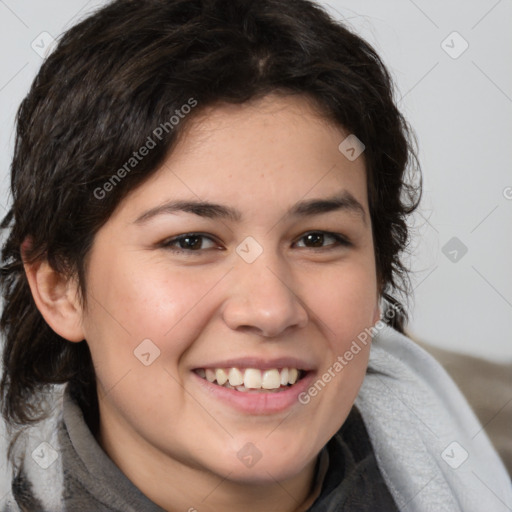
<point>262,402</point>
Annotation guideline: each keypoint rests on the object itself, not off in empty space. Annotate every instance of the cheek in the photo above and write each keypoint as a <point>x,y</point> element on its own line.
<point>345,301</point>
<point>131,301</point>
<point>345,306</point>
<point>129,305</point>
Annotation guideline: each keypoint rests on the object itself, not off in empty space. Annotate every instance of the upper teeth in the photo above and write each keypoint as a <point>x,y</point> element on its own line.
<point>251,378</point>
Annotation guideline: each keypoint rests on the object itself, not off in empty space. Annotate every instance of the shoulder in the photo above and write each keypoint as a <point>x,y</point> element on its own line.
<point>31,472</point>
<point>424,433</point>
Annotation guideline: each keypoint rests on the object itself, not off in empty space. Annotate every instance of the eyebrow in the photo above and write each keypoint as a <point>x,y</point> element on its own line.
<point>344,201</point>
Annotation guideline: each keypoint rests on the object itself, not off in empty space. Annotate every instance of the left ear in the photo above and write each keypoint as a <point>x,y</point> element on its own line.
<point>56,297</point>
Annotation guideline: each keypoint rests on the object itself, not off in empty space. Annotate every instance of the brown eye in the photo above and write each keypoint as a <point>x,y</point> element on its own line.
<point>314,239</point>
<point>190,242</point>
<point>319,239</point>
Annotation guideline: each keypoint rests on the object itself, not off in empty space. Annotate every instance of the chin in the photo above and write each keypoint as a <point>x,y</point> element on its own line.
<point>264,474</point>
<point>251,466</point>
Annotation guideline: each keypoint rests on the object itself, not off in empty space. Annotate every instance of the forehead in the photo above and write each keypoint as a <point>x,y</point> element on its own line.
<point>273,151</point>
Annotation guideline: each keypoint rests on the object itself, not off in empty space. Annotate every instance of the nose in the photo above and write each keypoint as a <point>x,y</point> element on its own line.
<point>262,299</point>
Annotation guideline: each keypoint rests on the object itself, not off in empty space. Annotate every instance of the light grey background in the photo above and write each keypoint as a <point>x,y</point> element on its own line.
<point>460,106</point>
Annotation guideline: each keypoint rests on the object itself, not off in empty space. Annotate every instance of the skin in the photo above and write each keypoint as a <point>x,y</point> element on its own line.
<point>208,304</point>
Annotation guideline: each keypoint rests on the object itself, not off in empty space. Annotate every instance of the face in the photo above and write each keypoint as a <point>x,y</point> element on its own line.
<point>249,252</point>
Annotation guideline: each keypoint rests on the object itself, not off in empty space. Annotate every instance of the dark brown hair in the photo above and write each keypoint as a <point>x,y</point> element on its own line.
<point>124,72</point>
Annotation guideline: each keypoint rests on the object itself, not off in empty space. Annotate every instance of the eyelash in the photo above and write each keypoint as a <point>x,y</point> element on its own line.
<point>168,244</point>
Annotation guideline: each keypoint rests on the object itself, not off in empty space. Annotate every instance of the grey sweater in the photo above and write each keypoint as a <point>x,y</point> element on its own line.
<point>411,443</point>
<point>92,482</point>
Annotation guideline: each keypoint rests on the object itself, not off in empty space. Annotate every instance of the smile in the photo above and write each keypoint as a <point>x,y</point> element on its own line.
<point>252,379</point>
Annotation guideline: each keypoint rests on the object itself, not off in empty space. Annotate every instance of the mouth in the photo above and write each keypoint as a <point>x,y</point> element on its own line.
<point>253,380</point>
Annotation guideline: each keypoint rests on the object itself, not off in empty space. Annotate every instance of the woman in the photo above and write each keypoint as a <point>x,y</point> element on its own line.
<point>202,276</point>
